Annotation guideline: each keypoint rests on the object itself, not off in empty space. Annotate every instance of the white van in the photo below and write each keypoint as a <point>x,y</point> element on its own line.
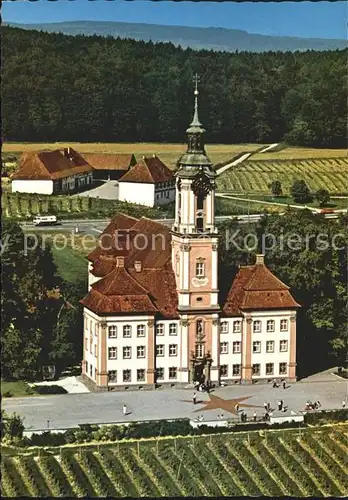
<point>45,220</point>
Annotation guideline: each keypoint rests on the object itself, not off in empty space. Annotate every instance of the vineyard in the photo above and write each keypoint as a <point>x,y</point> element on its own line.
<point>298,463</point>
<point>255,176</point>
<point>25,205</point>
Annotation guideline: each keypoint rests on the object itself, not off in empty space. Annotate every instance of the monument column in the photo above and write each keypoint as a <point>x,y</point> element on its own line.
<point>246,352</point>
<point>102,373</point>
<point>150,372</point>
<point>292,356</point>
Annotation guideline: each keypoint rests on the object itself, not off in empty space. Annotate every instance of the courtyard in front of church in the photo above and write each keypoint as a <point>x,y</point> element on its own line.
<point>69,410</point>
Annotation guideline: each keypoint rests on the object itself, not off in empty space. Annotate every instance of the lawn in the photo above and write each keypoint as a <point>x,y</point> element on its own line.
<point>335,203</point>
<point>17,389</point>
<point>295,463</point>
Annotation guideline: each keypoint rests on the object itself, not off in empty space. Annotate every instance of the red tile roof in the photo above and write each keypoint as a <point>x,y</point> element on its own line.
<point>148,170</point>
<point>256,287</point>
<point>51,165</point>
<point>110,161</point>
<point>152,288</point>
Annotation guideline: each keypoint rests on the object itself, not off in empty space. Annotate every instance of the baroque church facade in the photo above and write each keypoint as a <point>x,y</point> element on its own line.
<point>152,315</point>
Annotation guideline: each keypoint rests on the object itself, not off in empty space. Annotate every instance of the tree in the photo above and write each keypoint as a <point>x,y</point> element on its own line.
<point>322,196</point>
<point>276,188</point>
<point>300,192</point>
<point>315,270</point>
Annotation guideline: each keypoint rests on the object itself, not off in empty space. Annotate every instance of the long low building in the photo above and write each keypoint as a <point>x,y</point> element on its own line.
<point>52,172</point>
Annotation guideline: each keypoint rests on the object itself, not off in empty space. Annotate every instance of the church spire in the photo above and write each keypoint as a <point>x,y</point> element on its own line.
<point>195,126</point>
<point>195,122</point>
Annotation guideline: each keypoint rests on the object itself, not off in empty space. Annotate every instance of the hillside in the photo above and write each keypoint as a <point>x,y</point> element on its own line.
<point>308,462</point>
<point>228,40</point>
<point>97,89</point>
<point>255,176</point>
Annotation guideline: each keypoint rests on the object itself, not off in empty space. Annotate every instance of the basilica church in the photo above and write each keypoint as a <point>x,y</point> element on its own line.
<point>152,316</point>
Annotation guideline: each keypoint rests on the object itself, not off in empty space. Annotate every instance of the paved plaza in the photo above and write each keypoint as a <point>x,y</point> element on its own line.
<point>69,410</point>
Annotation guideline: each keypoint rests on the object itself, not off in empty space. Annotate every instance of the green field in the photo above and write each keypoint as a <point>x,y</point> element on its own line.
<point>298,463</point>
<point>255,176</point>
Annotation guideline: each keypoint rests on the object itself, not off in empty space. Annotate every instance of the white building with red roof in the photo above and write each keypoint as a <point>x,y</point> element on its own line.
<point>150,182</point>
<point>152,315</point>
<point>52,172</point>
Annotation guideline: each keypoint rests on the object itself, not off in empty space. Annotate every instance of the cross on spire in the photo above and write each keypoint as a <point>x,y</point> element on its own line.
<point>195,121</point>
<point>196,80</point>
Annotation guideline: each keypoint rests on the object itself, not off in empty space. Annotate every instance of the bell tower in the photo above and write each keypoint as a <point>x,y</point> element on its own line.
<point>195,245</point>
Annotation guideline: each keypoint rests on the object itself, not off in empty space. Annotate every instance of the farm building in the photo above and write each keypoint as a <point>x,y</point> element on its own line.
<point>154,316</point>
<point>48,172</point>
<point>150,182</point>
<point>110,166</point>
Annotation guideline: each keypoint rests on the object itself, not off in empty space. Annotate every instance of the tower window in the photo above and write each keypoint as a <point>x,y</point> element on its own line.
<point>200,201</point>
<point>200,269</point>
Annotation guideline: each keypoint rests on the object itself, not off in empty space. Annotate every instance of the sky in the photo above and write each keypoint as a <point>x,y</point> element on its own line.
<point>304,19</point>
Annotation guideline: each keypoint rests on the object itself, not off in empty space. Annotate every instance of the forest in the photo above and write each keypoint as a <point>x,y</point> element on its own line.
<point>101,89</point>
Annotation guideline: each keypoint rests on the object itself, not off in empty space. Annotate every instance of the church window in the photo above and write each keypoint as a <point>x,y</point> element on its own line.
<point>172,329</point>
<point>282,368</point>
<point>141,331</point>
<point>236,326</point>
<point>112,332</point>
<point>224,348</point>
<point>257,369</point>
<point>270,325</point>
<point>160,329</point>
<point>200,269</point>
<point>224,327</point>
<point>270,346</point>
<point>236,369</point>
<point>283,347</point>
<point>257,326</point>
<point>159,373</point>
<point>224,371</point>
<point>112,352</point>
<point>127,331</point>
<point>160,350</point>
<point>112,375</point>
<point>256,346</point>
<point>236,347</point>
<point>173,350</point>
<point>283,325</point>
<point>173,372</point>
<point>269,368</point>
<point>127,352</point>
<point>127,376</point>
<point>141,375</point>
<point>141,351</point>
<point>199,350</point>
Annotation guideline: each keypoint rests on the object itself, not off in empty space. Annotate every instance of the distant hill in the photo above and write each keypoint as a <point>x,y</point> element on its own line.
<point>220,39</point>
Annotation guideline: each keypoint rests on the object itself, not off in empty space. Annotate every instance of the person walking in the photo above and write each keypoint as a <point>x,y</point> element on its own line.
<point>124,410</point>
<point>280,405</point>
<point>284,385</point>
<point>237,407</point>
<point>254,416</point>
<point>343,404</point>
<point>265,406</point>
<point>275,385</point>
<point>194,398</point>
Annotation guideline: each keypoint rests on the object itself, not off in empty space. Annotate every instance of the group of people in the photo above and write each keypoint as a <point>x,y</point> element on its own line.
<point>313,406</point>
<point>276,385</point>
<point>202,387</point>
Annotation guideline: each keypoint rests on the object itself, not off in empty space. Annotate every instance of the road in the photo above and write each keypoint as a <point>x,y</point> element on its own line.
<point>69,410</point>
